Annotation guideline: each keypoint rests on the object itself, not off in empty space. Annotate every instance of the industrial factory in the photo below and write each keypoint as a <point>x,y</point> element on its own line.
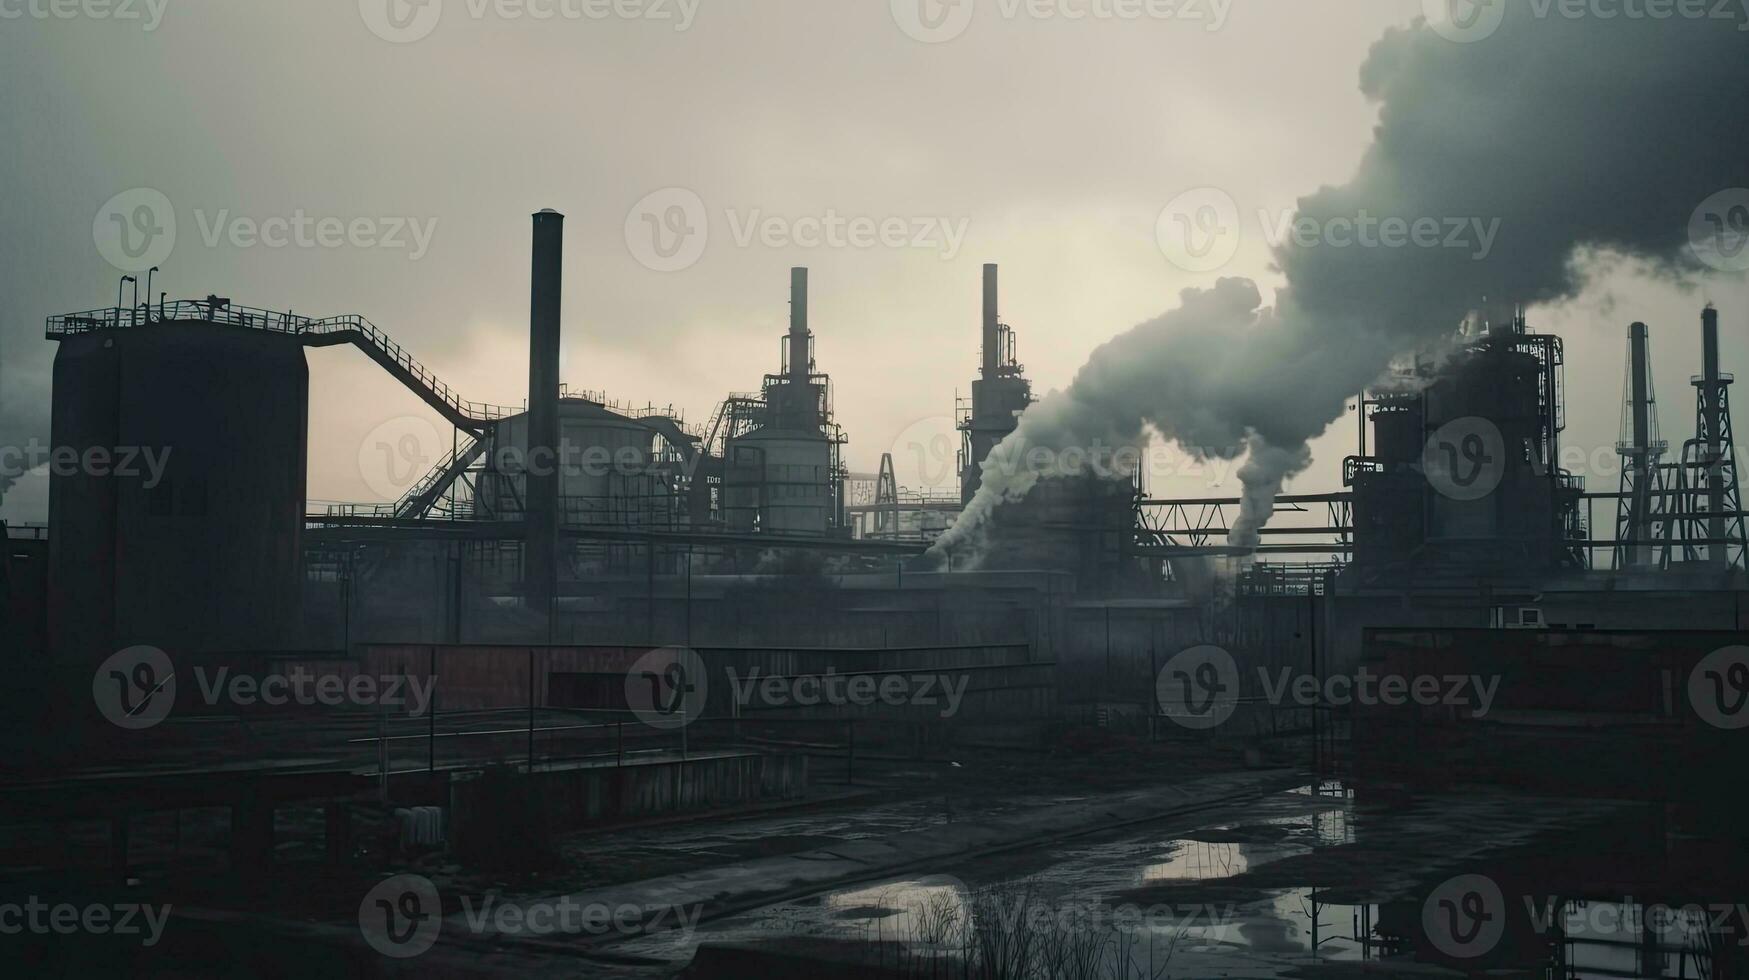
<point>579,587</point>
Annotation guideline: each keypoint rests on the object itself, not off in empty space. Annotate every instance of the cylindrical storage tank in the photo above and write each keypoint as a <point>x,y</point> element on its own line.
<point>1496,391</point>
<point>779,482</point>
<point>606,472</point>
<point>1064,523</point>
<point>182,526</point>
<point>1397,433</point>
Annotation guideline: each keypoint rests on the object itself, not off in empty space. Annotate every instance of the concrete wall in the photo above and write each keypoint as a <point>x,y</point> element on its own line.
<point>1593,713</point>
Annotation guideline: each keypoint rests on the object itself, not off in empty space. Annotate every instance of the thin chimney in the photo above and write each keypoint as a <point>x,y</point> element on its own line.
<point>540,568</point>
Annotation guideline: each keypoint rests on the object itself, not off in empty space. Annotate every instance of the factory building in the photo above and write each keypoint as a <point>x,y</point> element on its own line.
<point>1465,469</point>
<point>1000,393</point>
<point>782,471</point>
<point>205,555</point>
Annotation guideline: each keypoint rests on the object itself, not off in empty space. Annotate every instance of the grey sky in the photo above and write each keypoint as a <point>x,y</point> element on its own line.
<point>1057,143</point>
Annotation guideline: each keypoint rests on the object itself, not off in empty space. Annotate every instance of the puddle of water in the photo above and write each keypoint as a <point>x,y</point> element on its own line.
<point>1199,861</point>
<point>1613,939</point>
<point>1329,828</point>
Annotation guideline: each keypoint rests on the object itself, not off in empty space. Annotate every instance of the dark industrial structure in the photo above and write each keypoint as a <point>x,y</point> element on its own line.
<point>999,395</point>
<point>563,556</point>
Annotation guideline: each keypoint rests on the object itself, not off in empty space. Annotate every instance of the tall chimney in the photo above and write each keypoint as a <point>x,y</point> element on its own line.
<point>800,370</point>
<point>1641,390</point>
<point>1713,394</point>
<point>992,324</point>
<point>540,559</point>
<point>1639,456</point>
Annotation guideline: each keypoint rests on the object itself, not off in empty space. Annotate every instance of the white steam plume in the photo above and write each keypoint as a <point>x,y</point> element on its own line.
<point>1571,134</point>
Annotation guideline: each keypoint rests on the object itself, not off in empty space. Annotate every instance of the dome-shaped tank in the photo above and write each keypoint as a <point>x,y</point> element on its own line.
<point>181,526</point>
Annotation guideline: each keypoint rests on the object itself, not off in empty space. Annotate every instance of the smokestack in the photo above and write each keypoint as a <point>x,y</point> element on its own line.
<point>540,560</point>
<point>1642,397</point>
<point>992,323</point>
<point>1638,457</point>
<point>1709,343</point>
<point>799,368</point>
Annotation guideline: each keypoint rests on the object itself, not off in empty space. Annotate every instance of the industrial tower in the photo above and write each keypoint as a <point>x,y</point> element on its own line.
<point>1706,522</point>
<point>1640,517</point>
<point>999,395</point>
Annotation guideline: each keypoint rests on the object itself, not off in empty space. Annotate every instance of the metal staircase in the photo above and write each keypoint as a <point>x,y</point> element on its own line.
<point>473,417</point>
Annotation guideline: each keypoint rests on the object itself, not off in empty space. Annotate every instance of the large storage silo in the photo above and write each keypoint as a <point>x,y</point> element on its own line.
<point>206,554</point>
<point>606,476</point>
<point>783,477</point>
<point>779,482</point>
<point>1498,386</point>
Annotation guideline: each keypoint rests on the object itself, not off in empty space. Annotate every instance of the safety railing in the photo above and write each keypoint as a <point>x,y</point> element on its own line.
<point>360,330</point>
<point>410,501</point>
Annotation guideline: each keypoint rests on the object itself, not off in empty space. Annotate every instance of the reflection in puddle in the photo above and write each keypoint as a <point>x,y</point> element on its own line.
<point>927,914</point>
<point>1199,861</point>
<point>1615,939</point>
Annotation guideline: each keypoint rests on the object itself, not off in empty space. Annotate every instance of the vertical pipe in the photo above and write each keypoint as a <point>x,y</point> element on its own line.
<point>1639,456</point>
<point>540,559</point>
<point>1637,335</point>
<point>799,368</point>
<point>992,323</point>
<point>1712,393</point>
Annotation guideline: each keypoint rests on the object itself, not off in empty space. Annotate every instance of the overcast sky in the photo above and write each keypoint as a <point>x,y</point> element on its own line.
<point>1051,144</point>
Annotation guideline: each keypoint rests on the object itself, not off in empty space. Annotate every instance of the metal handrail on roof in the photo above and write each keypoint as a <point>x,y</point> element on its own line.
<point>351,327</point>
